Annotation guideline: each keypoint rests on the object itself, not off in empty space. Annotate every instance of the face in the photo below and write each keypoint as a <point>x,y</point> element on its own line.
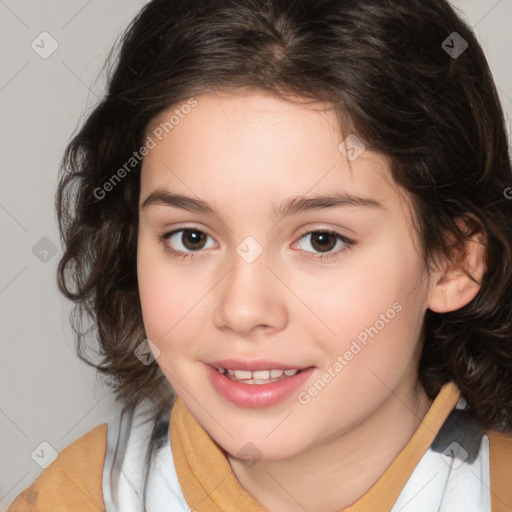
<point>232,278</point>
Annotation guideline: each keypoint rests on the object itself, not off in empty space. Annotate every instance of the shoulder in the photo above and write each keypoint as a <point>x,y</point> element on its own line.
<point>72,481</point>
<point>500,458</point>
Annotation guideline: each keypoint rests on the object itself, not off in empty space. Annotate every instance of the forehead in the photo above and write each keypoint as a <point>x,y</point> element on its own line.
<point>256,145</point>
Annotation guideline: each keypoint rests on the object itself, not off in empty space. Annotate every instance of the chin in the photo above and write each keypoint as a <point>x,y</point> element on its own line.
<point>259,447</point>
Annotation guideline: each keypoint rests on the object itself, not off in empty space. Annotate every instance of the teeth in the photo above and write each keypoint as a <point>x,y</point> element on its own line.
<point>258,374</point>
<point>261,374</point>
<point>243,374</point>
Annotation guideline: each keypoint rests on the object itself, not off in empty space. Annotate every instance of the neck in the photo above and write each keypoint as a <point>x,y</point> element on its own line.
<point>358,457</point>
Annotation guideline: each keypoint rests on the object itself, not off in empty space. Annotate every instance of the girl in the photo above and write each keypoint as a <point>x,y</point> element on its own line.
<point>290,222</point>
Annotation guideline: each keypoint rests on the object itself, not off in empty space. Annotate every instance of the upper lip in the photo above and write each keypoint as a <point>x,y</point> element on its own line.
<point>254,365</point>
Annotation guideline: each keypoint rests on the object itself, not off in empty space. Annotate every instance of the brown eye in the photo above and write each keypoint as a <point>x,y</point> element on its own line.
<point>185,241</point>
<point>193,239</point>
<point>323,243</point>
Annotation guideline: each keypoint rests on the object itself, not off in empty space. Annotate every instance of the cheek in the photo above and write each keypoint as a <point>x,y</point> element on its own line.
<point>170,299</point>
<point>365,285</point>
<point>376,303</point>
<point>370,354</point>
<point>158,291</point>
<point>152,288</point>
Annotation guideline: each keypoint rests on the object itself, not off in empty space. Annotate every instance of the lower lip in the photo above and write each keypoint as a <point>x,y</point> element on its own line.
<point>256,396</point>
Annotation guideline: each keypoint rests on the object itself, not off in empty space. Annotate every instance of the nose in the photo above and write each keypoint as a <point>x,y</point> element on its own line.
<point>250,298</point>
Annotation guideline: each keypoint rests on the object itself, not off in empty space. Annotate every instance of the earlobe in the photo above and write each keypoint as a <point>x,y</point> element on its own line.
<point>454,286</point>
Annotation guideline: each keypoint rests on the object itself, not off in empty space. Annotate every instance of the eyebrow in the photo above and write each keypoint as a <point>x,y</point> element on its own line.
<point>290,206</point>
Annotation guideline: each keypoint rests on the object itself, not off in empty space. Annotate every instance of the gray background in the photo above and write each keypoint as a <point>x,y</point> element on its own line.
<point>46,393</point>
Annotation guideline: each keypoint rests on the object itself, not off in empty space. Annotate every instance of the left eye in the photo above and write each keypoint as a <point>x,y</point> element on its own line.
<point>324,241</point>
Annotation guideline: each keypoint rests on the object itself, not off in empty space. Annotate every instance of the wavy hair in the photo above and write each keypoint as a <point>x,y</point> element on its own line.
<point>390,71</point>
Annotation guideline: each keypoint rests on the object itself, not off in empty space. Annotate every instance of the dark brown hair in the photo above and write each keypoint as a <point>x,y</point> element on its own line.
<point>388,67</point>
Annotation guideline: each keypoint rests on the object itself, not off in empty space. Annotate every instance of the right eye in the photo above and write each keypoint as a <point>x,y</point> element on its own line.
<point>191,239</point>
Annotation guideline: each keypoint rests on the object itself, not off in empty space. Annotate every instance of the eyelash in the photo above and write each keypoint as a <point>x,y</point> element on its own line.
<point>319,256</point>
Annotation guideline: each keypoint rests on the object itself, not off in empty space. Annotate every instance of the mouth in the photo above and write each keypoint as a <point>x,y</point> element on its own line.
<point>257,384</point>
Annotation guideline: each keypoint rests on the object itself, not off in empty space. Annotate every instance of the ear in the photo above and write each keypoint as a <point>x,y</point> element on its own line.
<point>451,287</point>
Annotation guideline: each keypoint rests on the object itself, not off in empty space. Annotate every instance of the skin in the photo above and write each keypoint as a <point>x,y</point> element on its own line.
<point>245,154</point>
